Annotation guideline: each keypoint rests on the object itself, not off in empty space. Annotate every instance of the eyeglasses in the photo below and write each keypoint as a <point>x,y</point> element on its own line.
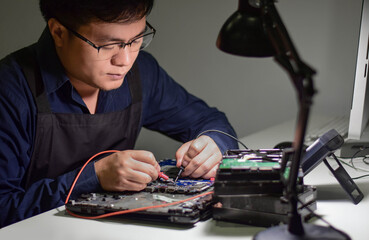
<point>108,51</point>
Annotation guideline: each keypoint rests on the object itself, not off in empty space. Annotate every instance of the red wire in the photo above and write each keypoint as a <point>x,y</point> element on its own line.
<point>83,167</point>
<point>124,211</point>
<point>139,209</point>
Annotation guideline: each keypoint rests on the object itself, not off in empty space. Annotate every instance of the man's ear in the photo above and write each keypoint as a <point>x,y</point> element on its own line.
<point>58,32</point>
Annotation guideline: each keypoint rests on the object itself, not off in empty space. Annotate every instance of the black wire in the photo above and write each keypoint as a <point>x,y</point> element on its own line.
<point>362,176</point>
<point>353,156</point>
<point>352,166</point>
<point>229,135</point>
<point>268,159</point>
<point>365,160</point>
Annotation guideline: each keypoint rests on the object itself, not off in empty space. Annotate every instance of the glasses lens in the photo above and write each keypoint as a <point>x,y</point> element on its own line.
<point>142,41</point>
<point>109,51</point>
<point>147,40</point>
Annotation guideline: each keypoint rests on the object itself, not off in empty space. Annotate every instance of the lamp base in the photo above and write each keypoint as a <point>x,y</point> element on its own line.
<point>311,232</point>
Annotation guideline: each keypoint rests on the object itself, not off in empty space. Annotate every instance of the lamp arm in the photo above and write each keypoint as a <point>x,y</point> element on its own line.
<point>301,77</point>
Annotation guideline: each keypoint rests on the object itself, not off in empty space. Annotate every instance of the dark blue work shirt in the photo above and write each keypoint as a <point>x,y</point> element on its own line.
<point>167,108</point>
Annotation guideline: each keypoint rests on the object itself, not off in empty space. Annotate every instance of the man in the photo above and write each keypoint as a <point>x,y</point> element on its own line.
<point>86,87</point>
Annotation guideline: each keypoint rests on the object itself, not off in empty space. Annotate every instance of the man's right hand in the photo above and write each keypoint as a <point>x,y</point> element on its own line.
<point>128,170</point>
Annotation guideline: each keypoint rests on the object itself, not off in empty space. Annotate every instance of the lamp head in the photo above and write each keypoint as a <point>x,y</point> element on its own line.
<point>244,34</point>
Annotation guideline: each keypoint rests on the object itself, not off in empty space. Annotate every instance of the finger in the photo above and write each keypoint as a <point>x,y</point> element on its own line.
<point>144,156</point>
<point>120,171</point>
<point>212,173</point>
<point>196,147</point>
<point>145,161</point>
<point>192,164</point>
<point>202,164</point>
<point>124,180</point>
<point>157,167</point>
<point>206,161</point>
<point>181,153</point>
<point>128,163</point>
<point>144,169</point>
<point>142,172</point>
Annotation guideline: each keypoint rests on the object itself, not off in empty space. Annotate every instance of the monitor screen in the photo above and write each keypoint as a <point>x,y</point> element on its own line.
<point>357,142</point>
<point>359,114</point>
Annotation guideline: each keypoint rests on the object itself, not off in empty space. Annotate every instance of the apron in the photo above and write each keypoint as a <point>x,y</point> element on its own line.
<point>65,141</point>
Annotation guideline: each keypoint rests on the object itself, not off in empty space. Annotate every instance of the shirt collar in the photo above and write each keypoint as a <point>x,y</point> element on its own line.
<point>52,70</point>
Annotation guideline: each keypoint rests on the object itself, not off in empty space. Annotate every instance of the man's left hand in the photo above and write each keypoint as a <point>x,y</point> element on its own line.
<point>200,157</point>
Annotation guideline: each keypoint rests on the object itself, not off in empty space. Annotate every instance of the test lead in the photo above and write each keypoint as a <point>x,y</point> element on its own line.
<point>163,176</point>
<point>179,173</point>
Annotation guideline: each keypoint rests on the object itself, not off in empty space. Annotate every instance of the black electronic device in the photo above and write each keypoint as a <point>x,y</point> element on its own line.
<point>249,172</point>
<point>249,188</point>
<point>250,183</point>
<point>260,171</point>
<point>263,210</point>
<point>323,147</point>
<point>156,193</point>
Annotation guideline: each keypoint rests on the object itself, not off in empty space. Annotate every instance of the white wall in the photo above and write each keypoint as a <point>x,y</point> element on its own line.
<point>254,93</point>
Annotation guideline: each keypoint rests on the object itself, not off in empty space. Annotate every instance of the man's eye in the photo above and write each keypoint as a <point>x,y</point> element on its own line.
<point>108,47</point>
<point>137,41</point>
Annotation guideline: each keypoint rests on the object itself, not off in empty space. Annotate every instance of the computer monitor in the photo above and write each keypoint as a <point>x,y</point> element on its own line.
<point>357,143</point>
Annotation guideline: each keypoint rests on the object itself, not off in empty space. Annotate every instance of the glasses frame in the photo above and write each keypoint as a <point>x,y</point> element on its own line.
<point>120,44</point>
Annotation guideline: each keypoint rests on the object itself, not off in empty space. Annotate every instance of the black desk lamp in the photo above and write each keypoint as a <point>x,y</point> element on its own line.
<point>256,30</point>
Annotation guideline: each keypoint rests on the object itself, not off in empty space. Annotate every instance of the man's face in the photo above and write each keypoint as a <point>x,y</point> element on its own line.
<point>82,63</point>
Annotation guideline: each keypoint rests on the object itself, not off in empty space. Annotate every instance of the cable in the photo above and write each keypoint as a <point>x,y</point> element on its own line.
<point>353,156</point>
<point>139,209</point>
<point>83,167</point>
<point>362,176</point>
<point>365,160</point>
<point>229,135</point>
<point>354,167</point>
<point>124,211</point>
<point>350,165</point>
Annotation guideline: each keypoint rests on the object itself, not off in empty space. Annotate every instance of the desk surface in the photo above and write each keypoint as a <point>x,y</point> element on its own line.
<point>332,203</point>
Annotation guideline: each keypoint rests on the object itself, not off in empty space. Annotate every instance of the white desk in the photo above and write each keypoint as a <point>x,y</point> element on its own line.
<point>333,204</point>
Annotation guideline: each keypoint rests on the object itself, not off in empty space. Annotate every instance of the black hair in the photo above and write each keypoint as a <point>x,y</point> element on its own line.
<point>75,13</point>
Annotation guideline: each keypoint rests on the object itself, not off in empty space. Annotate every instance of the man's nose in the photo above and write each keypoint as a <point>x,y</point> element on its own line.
<point>123,57</point>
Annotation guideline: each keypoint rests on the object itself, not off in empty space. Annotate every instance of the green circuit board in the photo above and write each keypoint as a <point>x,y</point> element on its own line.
<point>242,163</point>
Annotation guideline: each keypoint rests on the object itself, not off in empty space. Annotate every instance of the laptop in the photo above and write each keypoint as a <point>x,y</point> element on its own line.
<point>162,193</point>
